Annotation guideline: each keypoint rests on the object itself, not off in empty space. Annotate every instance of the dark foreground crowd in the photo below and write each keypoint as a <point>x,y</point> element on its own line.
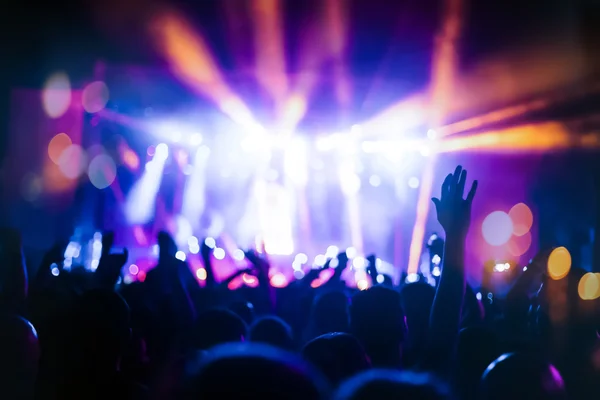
<point>73,336</point>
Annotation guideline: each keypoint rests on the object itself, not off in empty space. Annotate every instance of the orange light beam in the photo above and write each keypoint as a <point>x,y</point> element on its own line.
<point>269,48</point>
<point>444,70</point>
<point>537,137</point>
<point>190,59</point>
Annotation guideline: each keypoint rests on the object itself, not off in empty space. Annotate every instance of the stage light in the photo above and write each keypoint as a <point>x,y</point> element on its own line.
<point>195,139</point>
<point>362,284</point>
<point>359,262</point>
<point>56,96</point>
<point>201,274</point>
<point>94,97</point>
<point>298,274</point>
<point>375,180</point>
<point>497,228</point>
<point>380,278</point>
<point>436,271</point>
<point>162,152</point>
<point>192,241</point>
<point>411,278</point>
<point>133,269</point>
<point>57,145</point>
<point>219,253</point>
<point>320,260</point>
<point>332,251</point>
<point>72,161</point>
<point>301,258</point>
<point>559,263</point>
<point>334,263</point>
<point>180,255</point>
<point>413,182</point>
<point>436,259</point>
<point>238,255</point>
<point>194,248</point>
<point>351,252</point>
<point>431,134</point>
<point>296,266</point>
<point>55,271</point>
<point>155,250</point>
<point>478,296</point>
<point>210,242</point>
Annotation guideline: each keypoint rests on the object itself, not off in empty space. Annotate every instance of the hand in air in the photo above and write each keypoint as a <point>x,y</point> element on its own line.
<point>111,263</point>
<point>453,211</point>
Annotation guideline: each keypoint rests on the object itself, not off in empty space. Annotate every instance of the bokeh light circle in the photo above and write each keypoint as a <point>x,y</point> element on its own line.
<point>589,286</point>
<point>94,97</point>
<point>497,228</point>
<point>278,280</point>
<point>522,219</point>
<point>73,161</point>
<point>56,95</point>
<point>518,245</point>
<point>102,171</point>
<point>31,187</point>
<point>57,145</point>
<point>559,263</point>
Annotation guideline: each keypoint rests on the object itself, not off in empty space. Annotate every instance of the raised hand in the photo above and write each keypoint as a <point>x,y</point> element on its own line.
<point>111,263</point>
<point>454,212</point>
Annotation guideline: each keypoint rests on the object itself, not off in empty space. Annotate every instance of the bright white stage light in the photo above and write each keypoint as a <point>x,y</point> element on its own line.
<point>332,251</point>
<point>238,255</point>
<point>431,134</point>
<point>161,152</point>
<point>210,242</point>
<point>413,182</point>
<point>180,255</point>
<point>195,139</point>
<point>219,253</point>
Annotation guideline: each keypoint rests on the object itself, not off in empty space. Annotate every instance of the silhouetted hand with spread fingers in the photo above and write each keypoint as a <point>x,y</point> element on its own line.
<point>454,211</point>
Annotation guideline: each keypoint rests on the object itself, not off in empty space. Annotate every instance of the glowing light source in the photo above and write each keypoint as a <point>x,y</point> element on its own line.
<point>375,180</point>
<point>298,274</point>
<point>57,145</point>
<point>102,171</point>
<point>219,253</point>
<point>301,258</point>
<point>331,252</point>
<point>380,278</point>
<point>201,274</point>
<point>362,284</point>
<point>210,242</point>
<point>180,255</point>
<point>413,182</point>
<point>94,97</point>
<point>497,228</point>
<point>589,286</point>
<point>238,255</point>
<point>278,280</point>
<point>55,271</point>
<point>56,96</point>
<point>133,269</point>
<point>351,252</point>
<point>72,162</point>
<point>559,263</point>
<point>518,245</point>
<point>320,260</point>
<point>161,152</point>
<point>359,262</point>
<point>522,219</point>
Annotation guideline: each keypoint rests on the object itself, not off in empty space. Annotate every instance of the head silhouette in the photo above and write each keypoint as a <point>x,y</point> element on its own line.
<point>252,371</point>
<point>274,331</point>
<point>19,357</point>
<point>390,384</point>
<point>217,326</point>
<point>520,376</point>
<point>330,313</point>
<point>337,355</point>
<point>102,328</point>
<point>377,320</point>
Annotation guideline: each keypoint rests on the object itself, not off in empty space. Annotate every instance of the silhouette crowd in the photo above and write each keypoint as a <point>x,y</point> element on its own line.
<point>78,335</point>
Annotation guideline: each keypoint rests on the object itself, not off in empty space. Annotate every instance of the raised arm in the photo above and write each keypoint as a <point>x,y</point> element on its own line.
<point>454,214</point>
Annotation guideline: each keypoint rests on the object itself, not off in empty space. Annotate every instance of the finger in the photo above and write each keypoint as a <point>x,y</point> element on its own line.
<point>108,239</point>
<point>446,186</point>
<point>455,178</point>
<point>472,192</point>
<point>437,203</point>
<point>460,188</point>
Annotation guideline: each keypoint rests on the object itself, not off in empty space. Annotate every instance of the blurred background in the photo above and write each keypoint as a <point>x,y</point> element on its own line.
<point>304,126</point>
